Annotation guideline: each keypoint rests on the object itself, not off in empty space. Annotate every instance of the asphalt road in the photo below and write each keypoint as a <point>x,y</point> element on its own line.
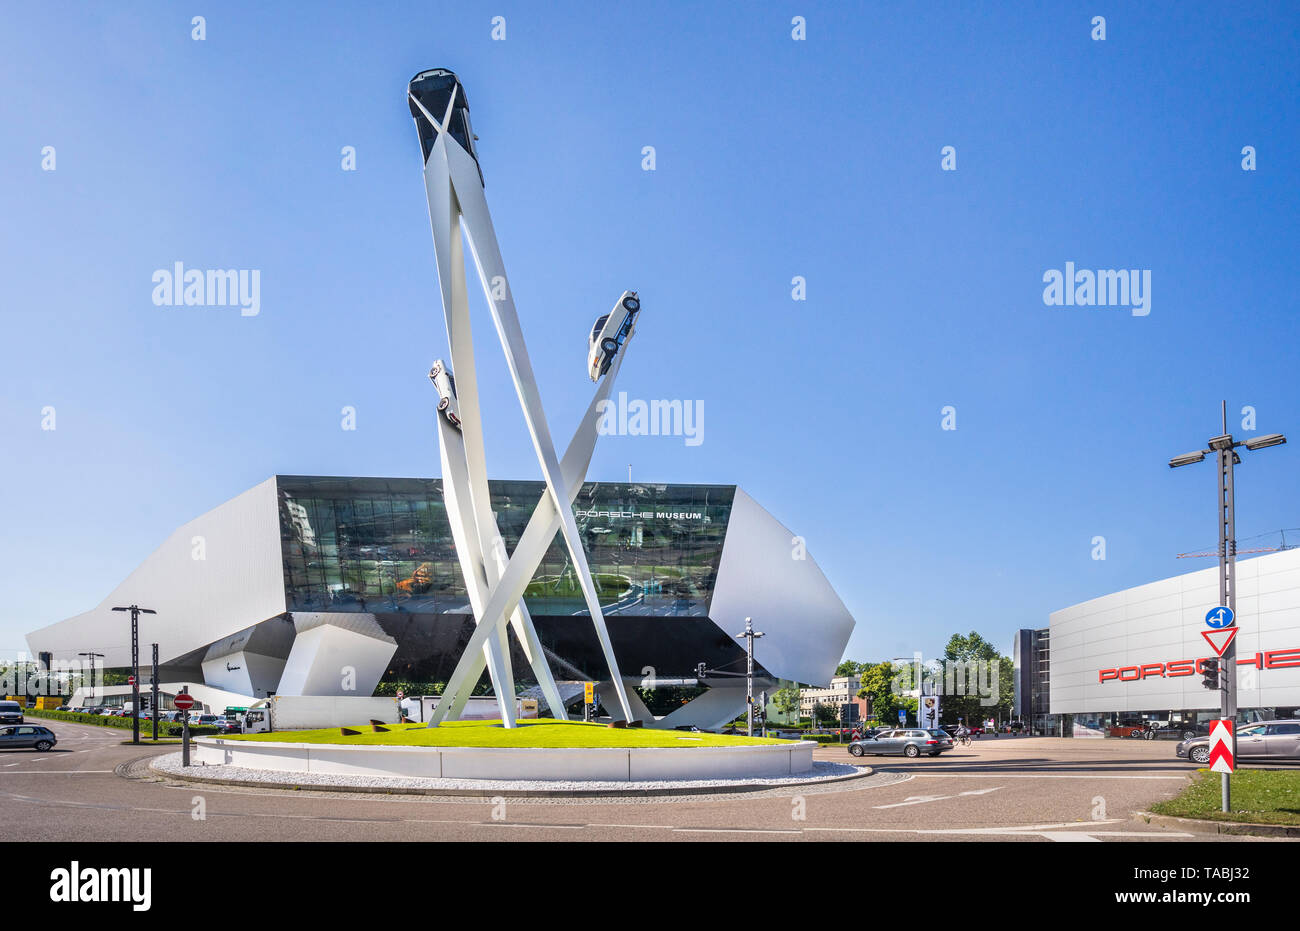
<point>1015,789</point>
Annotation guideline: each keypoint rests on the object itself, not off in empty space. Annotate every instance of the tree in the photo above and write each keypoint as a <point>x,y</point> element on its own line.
<point>825,715</point>
<point>849,668</point>
<point>786,701</point>
<point>878,684</point>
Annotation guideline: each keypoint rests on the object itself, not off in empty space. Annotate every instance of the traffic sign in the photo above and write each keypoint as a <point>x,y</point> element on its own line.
<point>1219,640</point>
<point>130,680</point>
<point>1219,617</point>
<point>902,716</point>
<point>1221,746</point>
<point>183,701</point>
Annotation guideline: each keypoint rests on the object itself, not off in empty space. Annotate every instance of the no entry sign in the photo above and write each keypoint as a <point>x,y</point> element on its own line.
<point>1221,746</point>
<point>183,702</point>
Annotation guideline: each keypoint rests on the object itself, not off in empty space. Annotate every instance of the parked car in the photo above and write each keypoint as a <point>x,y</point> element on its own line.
<point>27,736</point>
<point>910,742</point>
<point>1267,740</point>
<point>11,712</point>
<point>610,332</point>
<point>207,720</point>
<point>228,726</point>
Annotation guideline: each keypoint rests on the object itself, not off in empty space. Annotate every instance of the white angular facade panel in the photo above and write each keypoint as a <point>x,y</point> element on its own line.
<point>806,624</point>
<point>336,654</point>
<point>214,576</point>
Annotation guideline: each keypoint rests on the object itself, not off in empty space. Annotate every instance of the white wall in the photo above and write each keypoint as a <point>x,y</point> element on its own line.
<point>1162,621</point>
<point>806,624</point>
<point>239,581</point>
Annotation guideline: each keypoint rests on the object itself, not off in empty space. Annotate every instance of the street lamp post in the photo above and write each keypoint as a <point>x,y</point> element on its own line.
<point>92,670</point>
<point>153,686</point>
<point>136,611</point>
<point>1225,448</point>
<point>749,634</point>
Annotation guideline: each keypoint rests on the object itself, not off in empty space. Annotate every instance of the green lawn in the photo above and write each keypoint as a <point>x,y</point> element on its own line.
<point>1259,796</point>
<point>542,732</point>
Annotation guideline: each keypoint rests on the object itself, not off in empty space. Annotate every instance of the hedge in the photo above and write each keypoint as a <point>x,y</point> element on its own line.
<point>165,729</point>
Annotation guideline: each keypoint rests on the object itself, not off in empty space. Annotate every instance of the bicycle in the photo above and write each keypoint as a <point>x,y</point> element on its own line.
<point>964,740</point>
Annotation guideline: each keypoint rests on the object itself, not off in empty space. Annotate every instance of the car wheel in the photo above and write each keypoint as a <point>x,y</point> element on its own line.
<point>631,304</point>
<point>1189,735</point>
<point>912,751</point>
<point>855,750</point>
<point>43,745</point>
<point>1199,755</point>
<point>609,344</point>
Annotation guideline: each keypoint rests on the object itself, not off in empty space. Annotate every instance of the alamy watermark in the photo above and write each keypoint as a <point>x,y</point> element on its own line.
<point>1105,287</point>
<point>652,418</point>
<point>949,677</point>
<point>212,287</point>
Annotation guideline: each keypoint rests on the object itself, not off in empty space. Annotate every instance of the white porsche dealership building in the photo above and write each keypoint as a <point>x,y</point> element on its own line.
<point>1135,656</point>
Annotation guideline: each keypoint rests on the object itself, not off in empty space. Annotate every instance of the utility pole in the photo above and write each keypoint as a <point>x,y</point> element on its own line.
<point>749,634</point>
<point>1225,447</point>
<point>153,701</point>
<point>92,670</point>
<point>136,611</point>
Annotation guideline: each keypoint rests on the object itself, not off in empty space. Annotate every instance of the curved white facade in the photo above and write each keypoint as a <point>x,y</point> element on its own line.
<point>1114,653</point>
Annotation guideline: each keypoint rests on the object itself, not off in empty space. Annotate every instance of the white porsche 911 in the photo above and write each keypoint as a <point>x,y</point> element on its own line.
<point>610,333</point>
<point>445,382</point>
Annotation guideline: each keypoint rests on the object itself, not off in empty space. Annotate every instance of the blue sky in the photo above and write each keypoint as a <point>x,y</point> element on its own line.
<point>774,158</point>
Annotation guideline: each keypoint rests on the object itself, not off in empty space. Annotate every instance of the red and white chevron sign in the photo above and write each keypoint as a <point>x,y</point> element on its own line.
<point>1221,746</point>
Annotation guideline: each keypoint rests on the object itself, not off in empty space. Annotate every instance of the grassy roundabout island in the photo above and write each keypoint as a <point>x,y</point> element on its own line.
<point>542,733</point>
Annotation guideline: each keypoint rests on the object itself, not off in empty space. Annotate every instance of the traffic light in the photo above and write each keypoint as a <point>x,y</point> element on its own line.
<point>1210,670</point>
<point>699,670</point>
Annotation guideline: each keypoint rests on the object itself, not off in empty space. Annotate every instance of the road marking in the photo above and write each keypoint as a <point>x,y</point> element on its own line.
<point>57,772</point>
<point>922,799</point>
<point>732,831</point>
<point>1044,776</point>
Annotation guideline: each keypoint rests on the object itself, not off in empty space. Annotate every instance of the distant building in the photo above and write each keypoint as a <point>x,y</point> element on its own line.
<point>842,690</point>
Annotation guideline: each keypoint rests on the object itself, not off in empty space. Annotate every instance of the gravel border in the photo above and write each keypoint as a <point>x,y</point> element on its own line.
<point>169,765</point>
<point>1205,826</point>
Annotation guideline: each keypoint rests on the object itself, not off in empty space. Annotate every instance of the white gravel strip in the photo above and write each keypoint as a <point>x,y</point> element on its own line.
<point>171,765</point>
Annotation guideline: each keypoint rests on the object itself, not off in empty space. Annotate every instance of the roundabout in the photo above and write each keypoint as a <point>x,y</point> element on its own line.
<point>542,757</point>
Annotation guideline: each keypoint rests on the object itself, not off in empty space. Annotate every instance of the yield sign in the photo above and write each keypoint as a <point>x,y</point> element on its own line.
<point>1220,639</point>
<point>1221,746</point>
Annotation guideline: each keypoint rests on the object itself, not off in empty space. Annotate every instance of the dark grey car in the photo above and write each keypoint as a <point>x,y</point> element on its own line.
<point>911,741</point>
<point>11,712</point>
<point>1266,740</point>
<point>27,736</point>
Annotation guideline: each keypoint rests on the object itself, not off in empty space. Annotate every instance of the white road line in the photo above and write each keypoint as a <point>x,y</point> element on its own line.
<point>1042,776</point>
<point>57,772</point>
<point>731,831</point>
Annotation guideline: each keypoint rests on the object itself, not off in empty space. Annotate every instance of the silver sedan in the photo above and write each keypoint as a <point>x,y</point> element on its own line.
<point>1267,740</point>
<point>910,742</point>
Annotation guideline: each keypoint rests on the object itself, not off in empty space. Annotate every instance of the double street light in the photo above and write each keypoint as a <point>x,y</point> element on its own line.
<point>1224,447</point>
<point>136,611</point>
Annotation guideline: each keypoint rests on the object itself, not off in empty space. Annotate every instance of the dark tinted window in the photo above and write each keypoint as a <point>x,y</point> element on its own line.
<point>1284,729</point>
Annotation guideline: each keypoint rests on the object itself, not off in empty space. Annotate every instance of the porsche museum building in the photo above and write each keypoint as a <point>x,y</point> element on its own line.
<point>279,589</point>
<point>1135,657</point>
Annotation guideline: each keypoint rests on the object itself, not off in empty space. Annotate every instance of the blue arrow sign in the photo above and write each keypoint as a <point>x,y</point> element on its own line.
<point>1219,617</point>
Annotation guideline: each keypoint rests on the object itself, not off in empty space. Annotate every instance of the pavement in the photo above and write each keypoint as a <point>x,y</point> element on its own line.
<point>1040,789</point>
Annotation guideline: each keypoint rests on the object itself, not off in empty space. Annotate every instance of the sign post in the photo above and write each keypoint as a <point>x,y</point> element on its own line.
<point>184,702</point>
<point>1222,759</point>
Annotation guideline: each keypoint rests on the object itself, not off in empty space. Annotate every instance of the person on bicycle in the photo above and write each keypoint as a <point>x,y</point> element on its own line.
<point>962,732</point>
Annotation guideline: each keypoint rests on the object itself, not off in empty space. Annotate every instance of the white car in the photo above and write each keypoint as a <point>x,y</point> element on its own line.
<point>610,333</point>
<point>445,382</point>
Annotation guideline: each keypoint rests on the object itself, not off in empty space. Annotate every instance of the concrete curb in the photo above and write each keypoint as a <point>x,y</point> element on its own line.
<point>613,792</point>
<point>1201,826</point>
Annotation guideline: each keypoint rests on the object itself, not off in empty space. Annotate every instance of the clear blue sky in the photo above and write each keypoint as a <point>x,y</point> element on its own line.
<point>775,158</point>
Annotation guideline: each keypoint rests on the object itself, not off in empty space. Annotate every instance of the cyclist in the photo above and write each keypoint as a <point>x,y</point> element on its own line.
<point>962,734</point>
